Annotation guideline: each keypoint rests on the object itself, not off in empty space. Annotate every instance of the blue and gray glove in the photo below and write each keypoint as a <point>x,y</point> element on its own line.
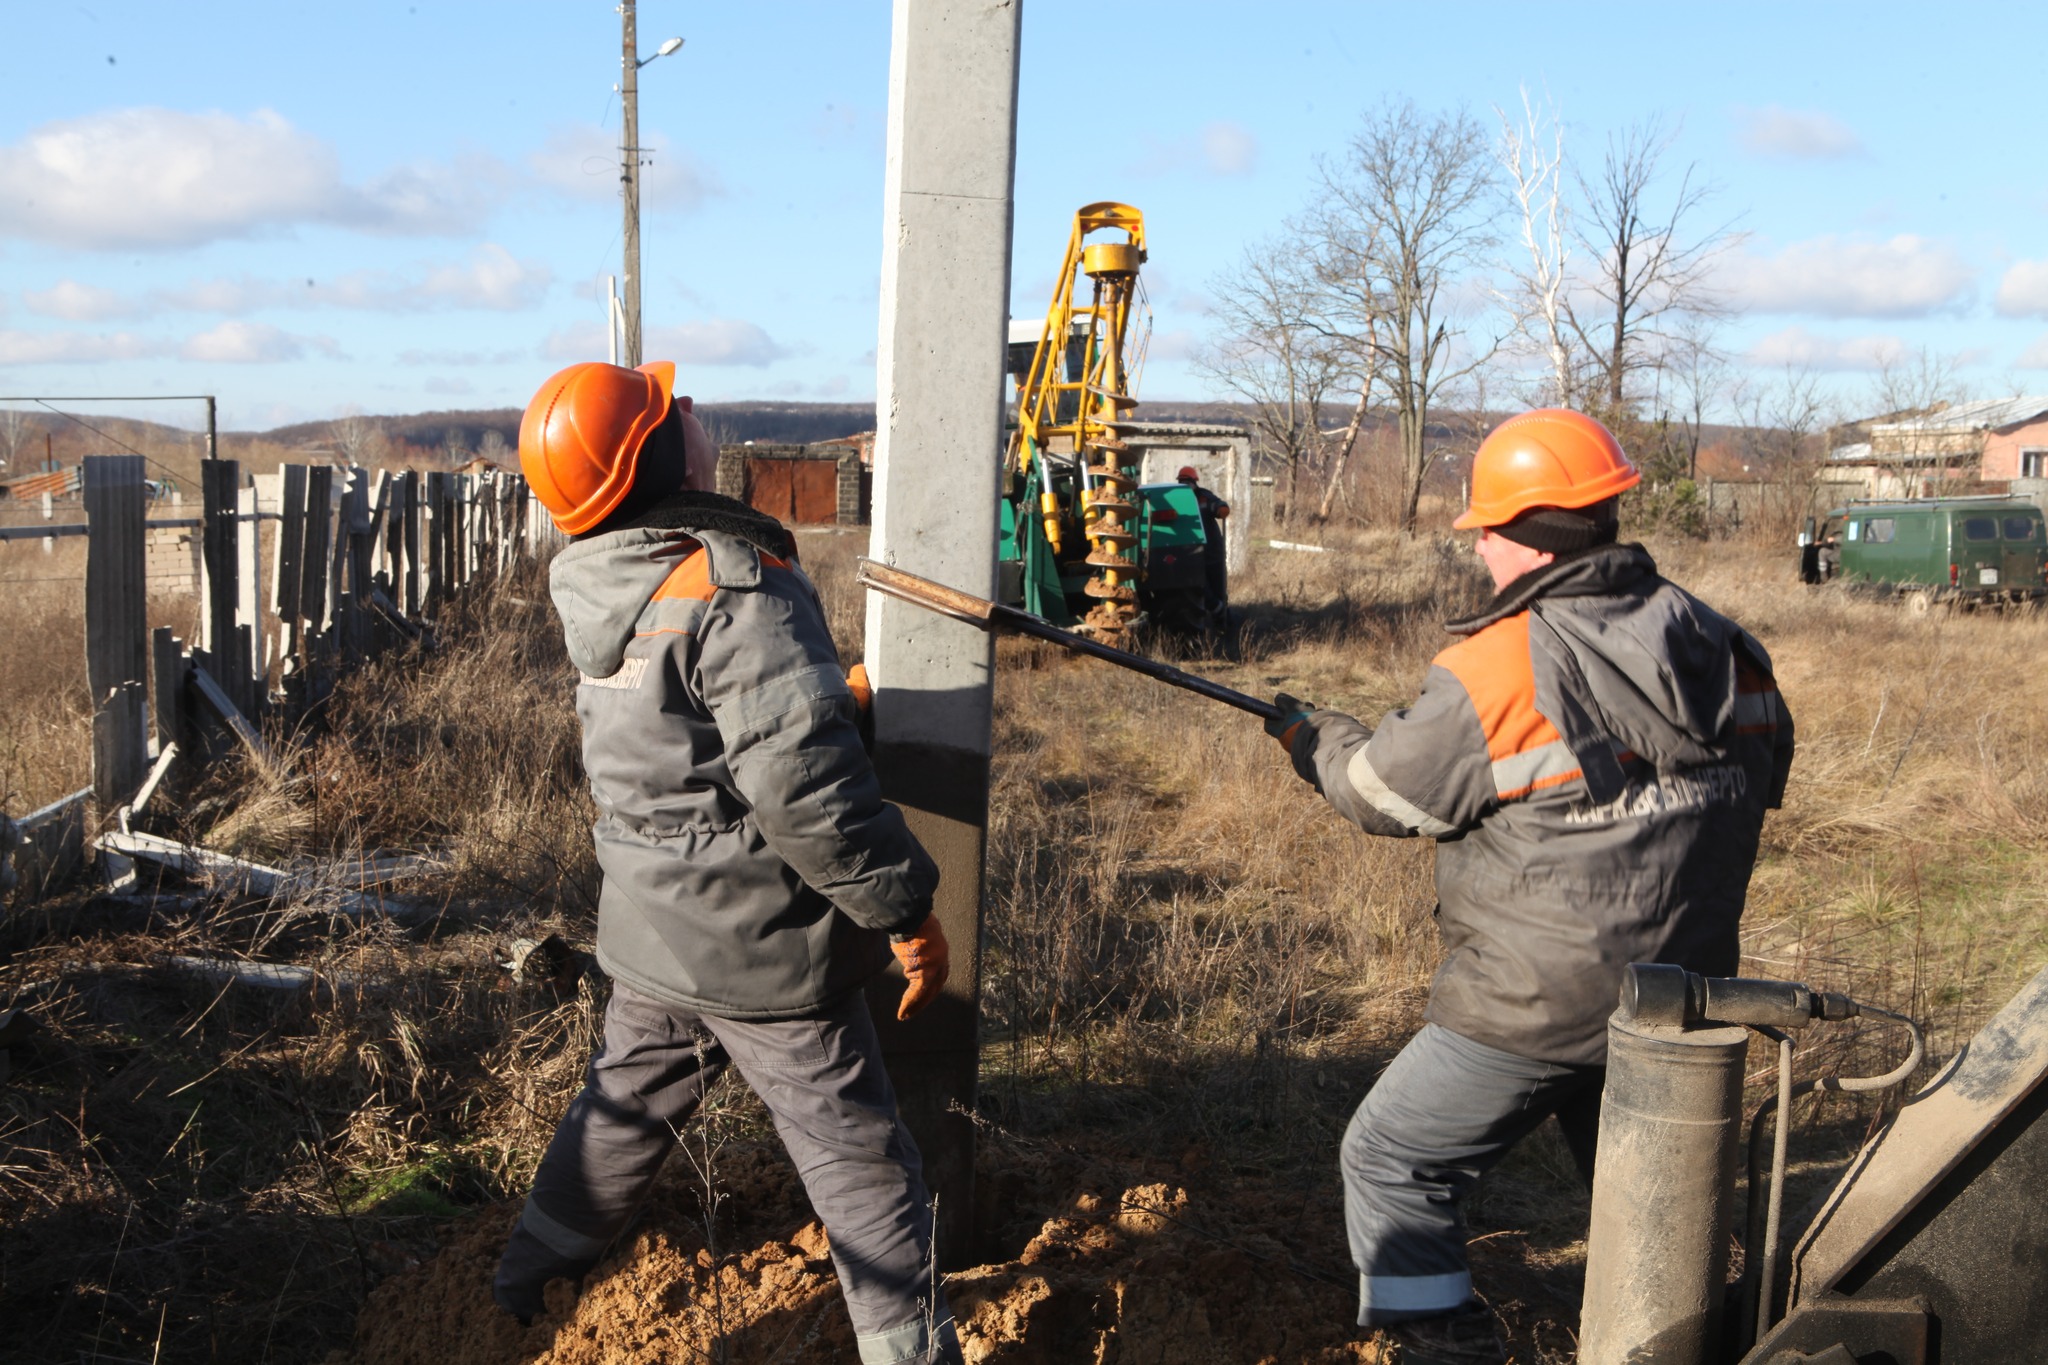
<point>1283,727</point>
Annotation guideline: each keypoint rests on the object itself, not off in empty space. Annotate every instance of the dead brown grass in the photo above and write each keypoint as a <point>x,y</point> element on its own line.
<point>1192,963</point>
<point>45,708</point>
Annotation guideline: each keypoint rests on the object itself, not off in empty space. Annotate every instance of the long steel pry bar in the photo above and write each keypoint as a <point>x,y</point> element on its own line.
<point>995,617</point>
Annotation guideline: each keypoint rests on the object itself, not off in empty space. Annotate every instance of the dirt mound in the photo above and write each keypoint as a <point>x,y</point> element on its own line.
<point>1137,1282</point>
<point>1127,1273</point>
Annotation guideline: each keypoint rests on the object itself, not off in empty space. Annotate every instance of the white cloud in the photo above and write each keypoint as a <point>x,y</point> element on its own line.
<point>1797,346</point>
<point>90,348</point>
<point>164,178</point>
<point>715,341</point>
<point>582,161</point>
<point>1219,148</point>
<point>75,302</point>
<point>2023,293</point>
<point>1842,277</point>
<point>2035,357</point>
<point>252,343</point>
<point>420,359</point>
<point>446,385</point>
<point>1179,344</point>
<point>1806,134</point>
<point>1229,148</point>
<point>490,279</point>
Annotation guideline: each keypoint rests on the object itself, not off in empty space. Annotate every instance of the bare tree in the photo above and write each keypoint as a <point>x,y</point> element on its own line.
<point>14,425</point>
<point>1401,219</point>
<point>455,447</point>
<point>1787,430</point>
<point>1647,264</point>
<point>1912,389</point>
<point>1347,441</point>
<point>1271,356</point>
<point>1692,377</point>
<point>1532,154</point>
<point>493,447</point>
<point>354,435</point>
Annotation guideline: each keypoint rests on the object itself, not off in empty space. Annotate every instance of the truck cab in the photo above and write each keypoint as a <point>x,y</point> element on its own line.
<point>1934,549</point>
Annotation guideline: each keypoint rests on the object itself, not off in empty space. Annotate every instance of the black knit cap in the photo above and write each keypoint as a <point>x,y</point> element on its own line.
<point>1561,530</point>
<point>660,471</point>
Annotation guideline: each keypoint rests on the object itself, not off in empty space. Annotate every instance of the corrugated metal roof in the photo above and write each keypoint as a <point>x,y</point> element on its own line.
<point>1851,454</point>
<point>1989,412</point>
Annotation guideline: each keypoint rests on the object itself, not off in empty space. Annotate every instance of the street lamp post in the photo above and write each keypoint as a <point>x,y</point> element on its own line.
<point>630,62</point>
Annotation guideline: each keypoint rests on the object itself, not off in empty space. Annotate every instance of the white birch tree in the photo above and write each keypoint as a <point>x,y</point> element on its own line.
<point>1531,151</point>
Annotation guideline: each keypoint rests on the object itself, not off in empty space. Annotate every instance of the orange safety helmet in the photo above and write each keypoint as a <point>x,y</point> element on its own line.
<point>1550,457</point>
<point>580,440</point>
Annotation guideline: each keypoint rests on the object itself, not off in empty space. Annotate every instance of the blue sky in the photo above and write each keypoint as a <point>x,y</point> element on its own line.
<point>394,207</point>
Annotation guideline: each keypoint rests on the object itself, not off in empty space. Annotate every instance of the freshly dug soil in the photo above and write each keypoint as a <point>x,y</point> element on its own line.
<point>1107,1267</point>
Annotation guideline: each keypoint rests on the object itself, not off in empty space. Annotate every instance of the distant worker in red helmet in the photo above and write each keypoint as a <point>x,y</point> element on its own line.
<point>1594,757</point>
<point>1215,558</point>
<point>754,879</point>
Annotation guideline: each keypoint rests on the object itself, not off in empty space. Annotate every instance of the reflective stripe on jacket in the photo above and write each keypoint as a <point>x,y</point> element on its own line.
<point>751,868</point>
<point>1595,759</point>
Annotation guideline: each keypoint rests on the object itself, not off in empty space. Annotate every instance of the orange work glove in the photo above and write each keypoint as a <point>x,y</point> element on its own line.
<point>926,960</point>
<point>863,690</point>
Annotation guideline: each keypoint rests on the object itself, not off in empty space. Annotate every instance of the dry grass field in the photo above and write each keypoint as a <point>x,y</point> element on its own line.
<point>1194,971</point>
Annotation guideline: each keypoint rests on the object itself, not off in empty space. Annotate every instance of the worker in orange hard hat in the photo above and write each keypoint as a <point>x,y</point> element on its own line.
<point>1594,757</point>
<point>1215,557</point>
<point>754,879</point>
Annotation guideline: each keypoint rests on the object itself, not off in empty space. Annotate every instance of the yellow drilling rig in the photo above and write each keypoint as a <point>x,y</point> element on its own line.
<point>1084,545</point>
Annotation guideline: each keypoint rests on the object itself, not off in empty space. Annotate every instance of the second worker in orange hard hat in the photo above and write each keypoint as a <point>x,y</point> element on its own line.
<point>1594,756</point>
<point>754,879</point>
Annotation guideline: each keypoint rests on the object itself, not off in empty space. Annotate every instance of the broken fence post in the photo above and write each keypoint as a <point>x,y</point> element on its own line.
<point>225,872</point>
<point>116,623</point>
<point>120,753</point>
<point>49,844</point>
<point>164,759</point>
<point>236,721</point>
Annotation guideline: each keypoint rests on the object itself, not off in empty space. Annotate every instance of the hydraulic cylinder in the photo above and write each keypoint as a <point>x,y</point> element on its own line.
<point>1663,1188</point>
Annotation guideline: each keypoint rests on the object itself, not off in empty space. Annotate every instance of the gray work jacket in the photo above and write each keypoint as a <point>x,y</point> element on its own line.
<point>1594,760</point>
<point>751,867</point>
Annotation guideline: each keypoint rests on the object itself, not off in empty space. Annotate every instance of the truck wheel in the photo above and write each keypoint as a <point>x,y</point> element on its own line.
<point>1919,603</point>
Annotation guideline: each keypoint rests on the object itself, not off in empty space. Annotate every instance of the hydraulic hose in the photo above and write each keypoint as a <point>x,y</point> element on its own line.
<point>1765,1292</point>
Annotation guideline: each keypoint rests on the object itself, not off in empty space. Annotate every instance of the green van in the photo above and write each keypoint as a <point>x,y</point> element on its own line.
<point>1934,549</point>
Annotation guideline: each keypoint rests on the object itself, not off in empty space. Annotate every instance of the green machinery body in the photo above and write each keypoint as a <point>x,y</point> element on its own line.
<point>1171,548</point>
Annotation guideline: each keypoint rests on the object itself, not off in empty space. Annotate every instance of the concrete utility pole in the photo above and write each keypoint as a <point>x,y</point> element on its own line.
<point>630,62</point>
<point>945,307</point>
<point>629,176</point>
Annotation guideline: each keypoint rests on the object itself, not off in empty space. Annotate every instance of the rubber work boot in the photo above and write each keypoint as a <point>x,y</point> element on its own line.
<point>1466,1337</point>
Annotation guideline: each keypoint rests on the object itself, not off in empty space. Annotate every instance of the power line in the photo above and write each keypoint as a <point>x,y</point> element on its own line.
<point>103,435</point>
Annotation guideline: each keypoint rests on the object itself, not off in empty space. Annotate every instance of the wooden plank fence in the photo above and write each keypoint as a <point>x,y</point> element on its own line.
<point>360,563</point>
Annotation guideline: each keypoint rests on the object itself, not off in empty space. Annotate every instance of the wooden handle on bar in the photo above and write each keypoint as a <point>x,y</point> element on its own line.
<point>990,616</point>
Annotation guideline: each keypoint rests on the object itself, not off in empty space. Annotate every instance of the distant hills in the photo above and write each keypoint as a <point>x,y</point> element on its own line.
<point>29,438</point>
<point>729,423</point>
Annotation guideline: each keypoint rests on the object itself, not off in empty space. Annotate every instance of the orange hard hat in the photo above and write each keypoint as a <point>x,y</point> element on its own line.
<point>1549,457</point>
<point>580,440</point>
<point>1187,474</point>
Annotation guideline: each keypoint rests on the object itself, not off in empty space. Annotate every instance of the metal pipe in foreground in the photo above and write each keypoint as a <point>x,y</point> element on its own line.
<point>1663,1190</point>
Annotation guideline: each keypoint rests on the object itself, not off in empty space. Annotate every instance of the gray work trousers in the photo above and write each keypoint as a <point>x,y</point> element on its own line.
<point>1444,1112</point>
<point>823,1082</point>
